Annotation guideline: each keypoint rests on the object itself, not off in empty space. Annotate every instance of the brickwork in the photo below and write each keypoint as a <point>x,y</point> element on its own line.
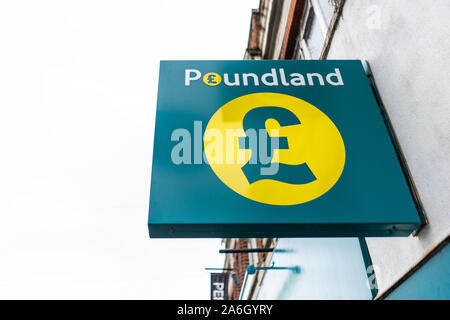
<point>261,255</point>
<point>241,263</point>
<point>292,29</point>
<point>255,29</point>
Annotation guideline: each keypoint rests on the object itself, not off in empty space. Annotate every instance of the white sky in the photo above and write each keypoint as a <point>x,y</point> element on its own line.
<point>78,84</point>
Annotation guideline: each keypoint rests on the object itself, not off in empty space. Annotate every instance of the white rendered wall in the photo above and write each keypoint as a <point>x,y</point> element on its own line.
<point>407,44</point>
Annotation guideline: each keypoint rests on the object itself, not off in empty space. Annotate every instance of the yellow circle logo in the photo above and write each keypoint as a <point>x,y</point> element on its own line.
<point>212,79</point>
<point>274,148</point>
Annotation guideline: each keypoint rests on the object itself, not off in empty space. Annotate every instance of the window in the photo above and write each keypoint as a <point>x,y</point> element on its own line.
<point>316,19</point>
<point>327,9</point>
<point>314,38</point>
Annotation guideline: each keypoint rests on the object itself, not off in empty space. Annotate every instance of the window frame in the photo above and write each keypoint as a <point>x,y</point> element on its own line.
<point>311,10</point>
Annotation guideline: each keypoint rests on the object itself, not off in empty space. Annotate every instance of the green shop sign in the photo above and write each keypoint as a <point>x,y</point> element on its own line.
<point>275,149</point>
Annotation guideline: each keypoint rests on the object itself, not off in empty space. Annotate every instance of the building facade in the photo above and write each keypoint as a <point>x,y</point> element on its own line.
<point>405,43</point>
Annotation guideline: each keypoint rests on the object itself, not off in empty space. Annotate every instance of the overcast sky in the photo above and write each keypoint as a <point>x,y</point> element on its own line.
<point>78,84</point>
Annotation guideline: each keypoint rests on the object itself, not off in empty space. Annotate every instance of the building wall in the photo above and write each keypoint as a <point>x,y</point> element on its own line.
<point>241,262</point>
<point>406,45</point>
<point>286,4</point>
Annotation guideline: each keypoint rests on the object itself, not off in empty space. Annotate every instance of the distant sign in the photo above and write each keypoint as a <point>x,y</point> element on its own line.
<point>219,286</point>
<point>274,149</point>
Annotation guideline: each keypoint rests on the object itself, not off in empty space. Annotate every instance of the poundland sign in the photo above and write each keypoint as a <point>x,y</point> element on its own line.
<point>275,78</point>
<point>274,149</point>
